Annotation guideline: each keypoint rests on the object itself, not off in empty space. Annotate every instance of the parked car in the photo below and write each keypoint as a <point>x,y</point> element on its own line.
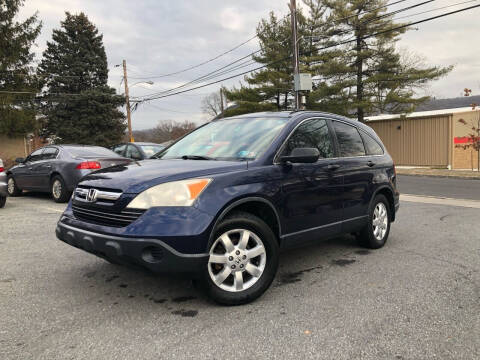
<point>222,202</point>
<point>138,150</point>
<point>3,185</point>
<point>58,168</point>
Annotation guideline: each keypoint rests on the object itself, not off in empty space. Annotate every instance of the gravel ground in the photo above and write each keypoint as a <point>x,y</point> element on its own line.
<point>417,298</point>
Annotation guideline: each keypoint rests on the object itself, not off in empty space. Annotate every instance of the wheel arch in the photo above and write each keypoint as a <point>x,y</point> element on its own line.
<point>388,193</point>
<point>255,205</point>
<point>53,174</point>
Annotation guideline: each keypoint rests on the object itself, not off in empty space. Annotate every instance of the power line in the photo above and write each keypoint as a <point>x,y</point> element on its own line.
<point>340,43</point>
<point>247,41</point>
<point>216,73</point>
<point>209,60</point>
<point>436,9</point>
<point>210,74</point>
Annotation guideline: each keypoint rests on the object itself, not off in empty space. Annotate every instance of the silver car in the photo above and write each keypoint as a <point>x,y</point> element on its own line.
<point>3,185</point>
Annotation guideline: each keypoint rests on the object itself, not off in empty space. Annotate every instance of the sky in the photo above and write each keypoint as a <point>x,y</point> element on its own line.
<point>157,37</point>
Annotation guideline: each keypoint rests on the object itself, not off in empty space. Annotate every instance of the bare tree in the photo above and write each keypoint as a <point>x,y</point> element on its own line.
<point>212,104</point>
<point>170,130</point>
<point>165,131</point>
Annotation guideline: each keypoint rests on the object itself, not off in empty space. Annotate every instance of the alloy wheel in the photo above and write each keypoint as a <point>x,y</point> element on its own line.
<point>380,221</point>
<point>57,189</point>
<point>11,186</point>
<point>237,260</point>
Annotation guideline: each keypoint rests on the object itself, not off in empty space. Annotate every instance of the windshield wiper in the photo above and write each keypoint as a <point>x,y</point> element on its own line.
<point>196,157</point>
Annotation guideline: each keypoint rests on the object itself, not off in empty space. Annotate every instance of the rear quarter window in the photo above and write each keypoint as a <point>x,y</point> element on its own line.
<point>372,146</point>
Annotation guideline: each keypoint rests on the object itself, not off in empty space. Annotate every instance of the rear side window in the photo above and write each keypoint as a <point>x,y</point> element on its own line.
<point>49,154</point>
<point>311,134</point>
<point>120,149</point>
<point>371,145</point>
<point>349,140</point>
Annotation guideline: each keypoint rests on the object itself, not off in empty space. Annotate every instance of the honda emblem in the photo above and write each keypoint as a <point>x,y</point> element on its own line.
<point>92,195</point>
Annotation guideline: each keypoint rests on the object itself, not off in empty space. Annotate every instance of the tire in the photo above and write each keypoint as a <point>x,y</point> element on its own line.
<point>252,274</point>
<point>59,190</point>
<point>3,200</point>
<point>375,236</point>
<point>12,187</point>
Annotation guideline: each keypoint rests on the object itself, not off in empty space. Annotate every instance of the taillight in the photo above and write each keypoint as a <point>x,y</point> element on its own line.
<point>2,169</point>
<point>89,165</point>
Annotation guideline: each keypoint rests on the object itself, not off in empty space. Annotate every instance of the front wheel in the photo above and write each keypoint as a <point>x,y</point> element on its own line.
<point>12,187</point>
<point>243,260</point>
<point>375,234</point>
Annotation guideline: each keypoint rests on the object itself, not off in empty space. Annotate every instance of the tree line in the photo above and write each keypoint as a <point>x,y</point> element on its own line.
<point>367,74</point>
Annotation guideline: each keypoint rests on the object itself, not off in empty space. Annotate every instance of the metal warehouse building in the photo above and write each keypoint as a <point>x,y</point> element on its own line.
<point>430,138</point>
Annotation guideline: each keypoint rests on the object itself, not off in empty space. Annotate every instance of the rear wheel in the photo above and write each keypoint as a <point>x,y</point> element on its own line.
<point>12,187</point>
<point>375,234</point>
<point>3,200</point>
<point>59,191</point>
<point>243,260</point>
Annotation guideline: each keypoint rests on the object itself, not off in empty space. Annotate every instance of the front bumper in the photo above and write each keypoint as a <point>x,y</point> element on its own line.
<point>3,184</point>
<point>151,254</point>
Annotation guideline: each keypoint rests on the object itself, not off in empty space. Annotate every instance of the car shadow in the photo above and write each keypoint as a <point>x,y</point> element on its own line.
<point>116,285</point>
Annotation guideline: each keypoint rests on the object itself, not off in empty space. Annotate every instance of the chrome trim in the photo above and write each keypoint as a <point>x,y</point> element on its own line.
<point>103,195</point>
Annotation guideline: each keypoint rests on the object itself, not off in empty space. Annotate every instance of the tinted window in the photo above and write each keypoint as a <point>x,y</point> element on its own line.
<point>349,140</point>
<point>133,153</point>
<point>49,153</point>
<point>371,145</point>
<point>90,151</point>
<point>120,149</point>
<point>35,156</point>
<point>311,134</point>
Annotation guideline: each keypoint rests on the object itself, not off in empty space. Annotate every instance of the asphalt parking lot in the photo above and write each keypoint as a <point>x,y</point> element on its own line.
<point>417,298</point>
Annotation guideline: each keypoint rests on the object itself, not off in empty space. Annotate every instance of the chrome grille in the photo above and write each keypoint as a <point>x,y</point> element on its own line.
<point>106,217</point>
<point>93,195</point>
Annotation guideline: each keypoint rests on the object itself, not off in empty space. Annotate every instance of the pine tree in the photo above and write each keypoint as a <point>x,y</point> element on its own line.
<point>79,105</point>
<point>269,88</point>
<point>369,75</point>
<point>17,114</point>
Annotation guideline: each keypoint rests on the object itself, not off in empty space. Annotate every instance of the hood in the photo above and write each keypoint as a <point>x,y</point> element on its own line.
<point>141,175</point>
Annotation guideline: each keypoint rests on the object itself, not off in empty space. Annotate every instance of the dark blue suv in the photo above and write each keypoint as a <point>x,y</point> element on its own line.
<point>221,202</point>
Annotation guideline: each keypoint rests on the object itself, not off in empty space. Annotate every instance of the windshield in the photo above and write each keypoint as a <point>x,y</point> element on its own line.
<point>151,150</point>
<point>230,139</point>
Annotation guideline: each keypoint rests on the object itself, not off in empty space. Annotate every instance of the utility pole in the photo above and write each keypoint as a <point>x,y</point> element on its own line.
<point>296,65</point>
<point>127,97</point>
<point>221,102</point>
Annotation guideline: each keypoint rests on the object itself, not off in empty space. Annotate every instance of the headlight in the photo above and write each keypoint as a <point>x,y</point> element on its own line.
<point>177,193</point>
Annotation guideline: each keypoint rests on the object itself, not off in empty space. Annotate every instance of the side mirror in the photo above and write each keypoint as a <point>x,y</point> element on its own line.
<point>302,156</point>
<point>20,160</point>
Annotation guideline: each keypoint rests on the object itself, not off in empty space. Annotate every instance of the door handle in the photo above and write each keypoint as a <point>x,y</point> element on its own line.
<point>370,164</point>
<point>333,167</point>
<point>48,166</point>
<point>30,168</point>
